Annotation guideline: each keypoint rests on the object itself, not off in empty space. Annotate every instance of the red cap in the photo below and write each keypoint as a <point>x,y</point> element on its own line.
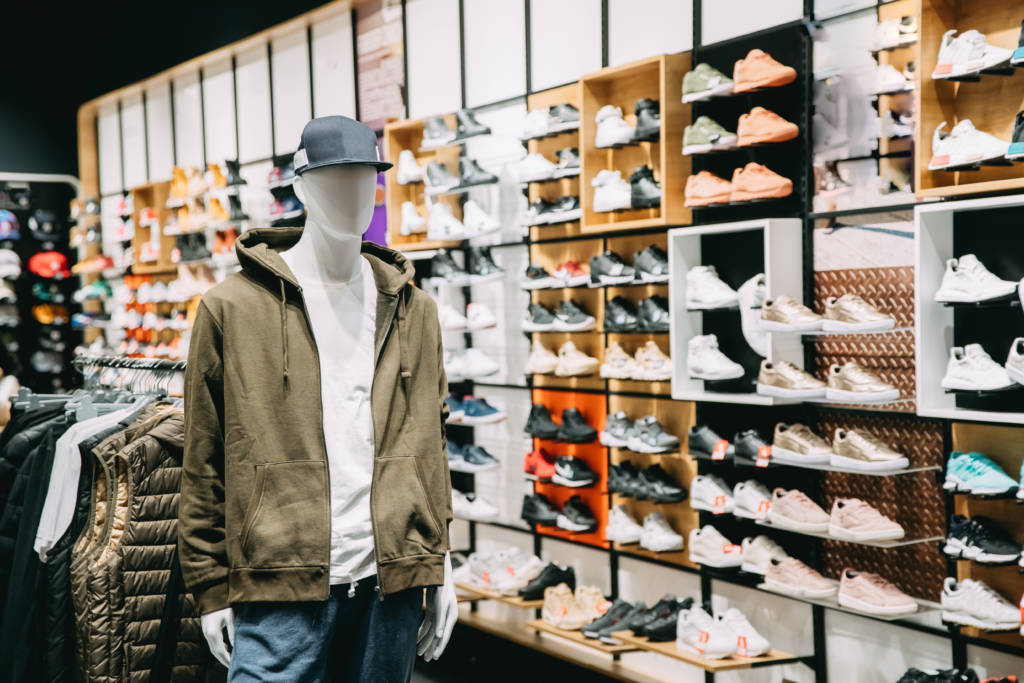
<point>52,264</point>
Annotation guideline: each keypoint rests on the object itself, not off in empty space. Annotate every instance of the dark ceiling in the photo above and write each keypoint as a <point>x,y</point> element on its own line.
<point>55,56</point>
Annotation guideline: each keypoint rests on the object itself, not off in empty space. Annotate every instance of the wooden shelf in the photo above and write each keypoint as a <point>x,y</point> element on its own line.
<point>513,601</point>
<point>427,244</point>
<point>774,657</point>
<point>578,638</point>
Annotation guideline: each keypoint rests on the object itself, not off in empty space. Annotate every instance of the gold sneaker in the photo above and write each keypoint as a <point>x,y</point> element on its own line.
<point>179,184</point>
<point>217,178</point>
<point>617,363</point>
<point>561,610</point>
<point>591,601</point>
<point>785,380</point>
<point>652,364</point>
<point>797,444</point>
<point>217,212</point>
<point>852,383</point>
<point>786,314</point>
<point>856,449</point>
<point>850,313</point>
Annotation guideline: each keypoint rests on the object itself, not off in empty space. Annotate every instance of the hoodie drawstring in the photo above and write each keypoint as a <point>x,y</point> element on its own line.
<point>403,363</point>
<point>284,331</point>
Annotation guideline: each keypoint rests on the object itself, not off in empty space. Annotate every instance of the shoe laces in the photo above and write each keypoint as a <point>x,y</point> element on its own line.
<point>858,305</point>
<point>804,432</point>
<point>855,372</point>
<point>862,513</point>
<point>866,440</point>
<point>878,582</point>
<point>976,269</point>
<point>771,546</point>
<point>983,591</point>
<point>787,369</point>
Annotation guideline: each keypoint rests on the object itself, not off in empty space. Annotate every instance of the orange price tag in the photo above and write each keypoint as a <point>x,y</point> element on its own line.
<point>604,607</point>
<point>741,646</point>
<point>487,577</point>
<point>729,548</point>
<point>563,610</point>
<point>719,506</point>
<point>763,454</point>
<point>762,509</point>
<point>720,449</point>
<point>702,641</point>
<point>510,570</point>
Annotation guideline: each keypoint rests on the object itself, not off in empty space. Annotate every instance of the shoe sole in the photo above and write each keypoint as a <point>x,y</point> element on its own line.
<point>844,396</point>
<point>845,535</point>
<point>968,620</point>
<point>547,283</point>
<point>611,442</point>
<point>638,446</point>
<point>611,374</point>
<point>718,378</point>
<point>965,68</point>
<point>700,505</point>
<point>977,555</point>
<point>545,370</point>
<point>562,481</point>
<point>577,372</point>
<point>559,326</point>
<point>1015,374</point>
<point>754,141</point>
<point>717,91</point>
<point>958,385</point>
<point>545,436</point>
<point>648,277</point>
<point>957,298</point>
<point>868,608</point>
<point>487,420</point>
<point>473,469</point>
<point>775,326</point>
<point>608,280</point>
<point>538,327</point>
<point>779,392</point>
<point>701,559</point>
<point>707,201</point>
<point>944,161</point>
<point>796,591</point>
<point>864,466</point>
<point>564,522</point>
<point>792,457</point>
<point>872,326</point>
<point>778,521</point>
<point>957,485</point>
<point>773,82</point>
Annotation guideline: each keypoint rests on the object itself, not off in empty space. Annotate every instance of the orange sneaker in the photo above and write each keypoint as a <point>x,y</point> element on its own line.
<point>761,126</point>
<point>217,178</point>
<point>179,184</point>
<point>217,212</point>
<point>759,70</point>
<point>706,188</point>
<point>755,181</point>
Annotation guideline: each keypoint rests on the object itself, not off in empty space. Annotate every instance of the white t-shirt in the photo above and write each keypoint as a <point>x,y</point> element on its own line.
<point>344,319</point>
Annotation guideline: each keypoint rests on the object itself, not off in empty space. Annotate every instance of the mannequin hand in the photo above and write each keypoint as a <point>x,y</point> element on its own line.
<point>214,626</point>
<point>439,619</point>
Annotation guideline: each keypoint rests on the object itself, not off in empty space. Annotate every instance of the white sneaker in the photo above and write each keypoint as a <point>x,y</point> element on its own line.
<point>516,577</point>
<point>704,290</point>
<point>479,317</point>
<point>652,365</point>
<point>697,631</point>
<point>477,364</point>
<point>470,506</point>
<point>611,191</point>
<point>751,499</point>
<point>1015,366</point>
<point>705,361</point>
<point>708,546</point>
<point>963,146</point>
<point>451,320</point>
<point>751,295</point>
<point>537,124</point>
<point>826,58</point>
<point>758,553</point>
<point>827,136</point>
<point>532,168</point>
<point>971,369</point>
<point>658,536</point>
<point>573,363</point>
<point>972,603</point>
<point>967,280</point>
<point>612,129</point>
<point>443,225</point>
<point>618,364</point>
<point>477,221</point>
<point>621,527</point>
<point>710,493</point>
<point>967,53</point>
<point>541,361</point>
<point>749,643</point>
<point>408,170</point>
<point>889,80</point>
<point>454,366</point>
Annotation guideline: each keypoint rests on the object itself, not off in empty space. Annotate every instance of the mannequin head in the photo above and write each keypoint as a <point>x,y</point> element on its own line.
<point>339,199</point>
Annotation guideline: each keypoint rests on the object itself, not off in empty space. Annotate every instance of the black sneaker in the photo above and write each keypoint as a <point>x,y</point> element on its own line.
<point>659,486</point>
<point>539,212</point>
<point>981,540</point>
<point>609,269</point>
<point>628,479</point>
<point>551,575</point>
<point>663,628</point>
<point>471,175</point>
<point>660,609</point>
<point>571,317</point>
<point>617,430</point>
<point>192,247</point>
<point>539,424</point>
<point>234,174</point>
<point>618,481</point>
<point>439,179</point>
<point>651,264</point>
<point>536,277</point>
<point>568,162</point>
<point>648,121</point>
<point>1016,150</point>
<point>615,614</point>
<point>443,266</point>
<point>565,117</point>
<point>747,444</point>
<point>565,209</point>
<point>576,516</point>
<point>653,314</point>
<point>436,133</point>
<point>620,315</point>
<point>481,266</point>
<point>702,440</point>
<point>538,510</point>
<point>237,214</point>
<point>645,192</point>
<point>573,472</point>
<point>466,125</point>
<point>539,318</point>
<point>605,634</point>
<point>574,429</point>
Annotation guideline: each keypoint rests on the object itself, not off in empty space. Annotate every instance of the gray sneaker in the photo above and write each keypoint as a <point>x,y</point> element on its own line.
<point>705,81</point>
<point>650,437</point>
<point>706,135</point>
<point>617,431</point>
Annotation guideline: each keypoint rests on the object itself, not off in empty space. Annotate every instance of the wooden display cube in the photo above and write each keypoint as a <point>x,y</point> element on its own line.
<point>549,145</point>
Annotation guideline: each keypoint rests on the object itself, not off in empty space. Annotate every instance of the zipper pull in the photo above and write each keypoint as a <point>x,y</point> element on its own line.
<point>352,589</point>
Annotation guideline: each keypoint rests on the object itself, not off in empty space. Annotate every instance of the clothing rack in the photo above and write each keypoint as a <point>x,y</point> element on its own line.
<point>133,374</point>
<point>128,363</point>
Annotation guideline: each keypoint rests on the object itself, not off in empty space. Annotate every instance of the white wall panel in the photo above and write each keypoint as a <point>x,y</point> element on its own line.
<point>290,64</point>
<point>561,54</point>
<point>158,131</point>
<point>729,18</point>
<point>434,57</point>
<point>876,652</point>
<point>495,50</point>
<point>253,79</point>
<point>219,111</point>
<point>108,134</point>
<point>644,28</point>
<point>133,136</point>
<point>334,79</point>
<point>188,120</point>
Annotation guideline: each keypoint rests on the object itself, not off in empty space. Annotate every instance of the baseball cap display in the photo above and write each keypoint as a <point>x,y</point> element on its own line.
<point>8,226</point>
<point>48,292</point>
<point>7,294</point>
<point>10,264</point>
<point>336,141</point>
<point>50,314</point>
<point>49,362</point>
<point>9,316</point>
<point>44,226</point>
<point>51,264</point>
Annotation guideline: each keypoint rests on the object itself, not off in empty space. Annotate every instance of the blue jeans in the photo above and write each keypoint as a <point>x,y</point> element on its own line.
<point>361,638</point>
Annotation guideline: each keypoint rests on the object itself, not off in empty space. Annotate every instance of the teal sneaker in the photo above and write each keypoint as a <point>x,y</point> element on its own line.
<point>705,135</point>
<point>1020,495</point>
<point>705,81</point>
<point>977,474</point>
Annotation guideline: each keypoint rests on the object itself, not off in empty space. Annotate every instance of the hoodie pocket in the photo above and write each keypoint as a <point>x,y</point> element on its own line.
<point>286,521</point>
<point>405,520</point>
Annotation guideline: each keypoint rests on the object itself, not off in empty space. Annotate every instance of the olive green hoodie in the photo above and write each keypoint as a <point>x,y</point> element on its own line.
<point>255,492</point>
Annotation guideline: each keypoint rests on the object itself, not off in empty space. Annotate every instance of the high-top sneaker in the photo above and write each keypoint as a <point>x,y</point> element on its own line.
<point>234,176</point>
<point>1016,150</point>
<point>412,221</point>
<point>436,133</point>
<point>439,179</point>
<point>409,170</point>
<point>480,265</point>
<point>470,174</point>
<point>235,204</point>
<point>466,125</point>
<point>648,120</point>
<point>645,192</point>
<point>568,162</point>
<point>539,424</point>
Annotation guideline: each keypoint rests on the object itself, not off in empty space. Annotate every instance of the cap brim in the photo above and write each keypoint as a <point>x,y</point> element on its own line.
<point>381,166</point>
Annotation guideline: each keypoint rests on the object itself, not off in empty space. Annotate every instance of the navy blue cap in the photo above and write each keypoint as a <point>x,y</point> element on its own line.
<point>336,141</point>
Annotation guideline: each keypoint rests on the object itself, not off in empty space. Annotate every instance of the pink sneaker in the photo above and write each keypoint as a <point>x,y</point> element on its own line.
<point>793,510</point>
<point>872,594</point>
<point>792,577</point>
<point>854,520</point>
